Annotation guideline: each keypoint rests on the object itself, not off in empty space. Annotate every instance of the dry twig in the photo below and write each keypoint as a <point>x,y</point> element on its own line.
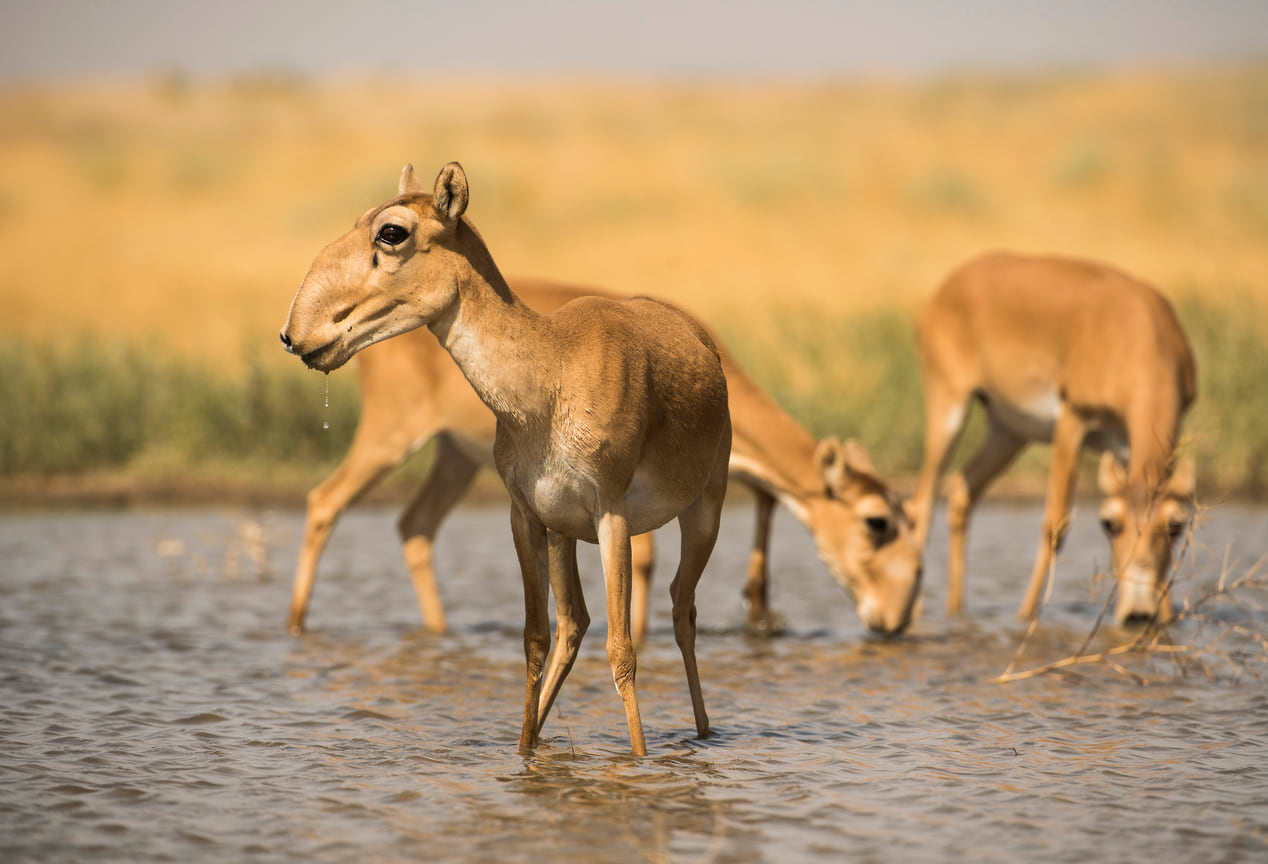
<point>1217,635</point>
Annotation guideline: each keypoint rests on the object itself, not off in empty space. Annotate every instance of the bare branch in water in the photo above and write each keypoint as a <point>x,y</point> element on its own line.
<point>1216,641</point>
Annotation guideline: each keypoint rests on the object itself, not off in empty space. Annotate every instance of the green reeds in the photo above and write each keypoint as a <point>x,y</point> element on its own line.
<point>95,406</point>
<point>1228,425</point>
<point>851,375</point>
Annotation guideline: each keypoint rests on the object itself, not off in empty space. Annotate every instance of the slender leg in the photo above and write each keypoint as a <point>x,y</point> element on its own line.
<point>1066,441</point>
<point>365,463</point>
<point>530,548</point>
<point>614,549</point>
<point>571,618</point>
<point>699,524</point>
<point>756,584</point>
<point>448,480</point>
<point>945,414</point>
<point>642,563</point>
<point>997,453</point>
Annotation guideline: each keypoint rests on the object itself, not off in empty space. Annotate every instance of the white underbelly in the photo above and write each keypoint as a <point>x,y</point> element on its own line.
<point>569,503</point>
<point>564,502</point>
<point>1033,418</point>
<point>650,507</point>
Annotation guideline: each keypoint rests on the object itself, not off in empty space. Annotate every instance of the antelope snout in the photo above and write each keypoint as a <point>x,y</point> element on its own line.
<point>883,628</point>
<point>325,357</point>
<point>900,605</point>
<point>1138,598</point>
<point>885,622</point>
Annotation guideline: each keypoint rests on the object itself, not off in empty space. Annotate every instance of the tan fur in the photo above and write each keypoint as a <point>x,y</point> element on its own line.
<point>411,391</point>
<point>611,416</point>
<point>1075,353</point>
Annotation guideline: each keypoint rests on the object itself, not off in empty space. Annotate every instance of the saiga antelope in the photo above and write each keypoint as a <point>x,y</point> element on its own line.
<point>1078,354</point>
<point>411,391</point>
<point>611,416</point>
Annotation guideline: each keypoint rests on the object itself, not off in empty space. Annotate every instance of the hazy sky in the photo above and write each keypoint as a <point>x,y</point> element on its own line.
<point>57,38</point>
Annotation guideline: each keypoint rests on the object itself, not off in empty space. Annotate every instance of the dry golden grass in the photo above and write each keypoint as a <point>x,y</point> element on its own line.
<point>805,221</point>
<point>185,214</point>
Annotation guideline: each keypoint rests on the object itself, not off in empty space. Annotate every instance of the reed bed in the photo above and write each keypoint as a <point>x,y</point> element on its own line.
<point>152,233</point>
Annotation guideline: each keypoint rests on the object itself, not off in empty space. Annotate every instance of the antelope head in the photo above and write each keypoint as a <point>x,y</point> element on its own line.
<point>865,537</point>
<point>1142,525</point>
<point>397,269</point>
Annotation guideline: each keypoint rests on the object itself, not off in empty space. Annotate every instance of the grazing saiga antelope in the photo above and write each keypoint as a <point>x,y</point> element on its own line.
<point>1078,354</point>
<point>611,416</point>
<point>411,391</point>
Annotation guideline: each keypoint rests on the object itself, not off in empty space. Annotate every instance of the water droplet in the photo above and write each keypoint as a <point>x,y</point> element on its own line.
<point>325,424</point>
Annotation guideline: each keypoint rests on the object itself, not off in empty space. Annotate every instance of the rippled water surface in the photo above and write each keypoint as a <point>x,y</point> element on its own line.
<point>152,708</point>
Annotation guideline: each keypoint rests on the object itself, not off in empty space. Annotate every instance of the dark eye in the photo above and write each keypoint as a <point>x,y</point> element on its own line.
<point>877,524</point>
<point>1175,528</point>
<point>1111,527</point>
<point>392,235</point>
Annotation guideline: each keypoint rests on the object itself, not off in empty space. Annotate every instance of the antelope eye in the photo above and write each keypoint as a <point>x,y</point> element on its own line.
<point>877,524</point>
<point>1175,528</point>
<point>1111,527</point>
<point>392,235</point>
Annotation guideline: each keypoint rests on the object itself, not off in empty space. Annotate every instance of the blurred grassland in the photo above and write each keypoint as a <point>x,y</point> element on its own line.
<point>152,233</point>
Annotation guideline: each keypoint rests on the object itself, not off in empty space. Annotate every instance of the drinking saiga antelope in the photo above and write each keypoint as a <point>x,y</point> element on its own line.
<point>1075,353</point>
<point>411,391</point>
<point>611,416</point>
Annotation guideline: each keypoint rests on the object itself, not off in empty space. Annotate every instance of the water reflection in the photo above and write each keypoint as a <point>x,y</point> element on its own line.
<point>655,809</point>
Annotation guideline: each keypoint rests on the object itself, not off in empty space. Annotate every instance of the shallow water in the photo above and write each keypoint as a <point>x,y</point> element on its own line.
<point>152,708</point>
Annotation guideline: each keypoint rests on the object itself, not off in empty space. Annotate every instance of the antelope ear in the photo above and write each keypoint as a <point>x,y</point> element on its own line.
<point>857,459</point>
<point>830,461</point>
<point>450,196</point>
<point>410,184</point>
<point>1183,480</point>
<point>1111,476</point>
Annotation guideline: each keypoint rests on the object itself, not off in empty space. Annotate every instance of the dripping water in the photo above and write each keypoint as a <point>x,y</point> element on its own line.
<point>325,423</point>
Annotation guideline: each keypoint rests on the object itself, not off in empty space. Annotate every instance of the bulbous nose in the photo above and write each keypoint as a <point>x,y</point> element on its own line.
<point>1137,618</point>
<point>882,625</point>
<point>1138,596</point>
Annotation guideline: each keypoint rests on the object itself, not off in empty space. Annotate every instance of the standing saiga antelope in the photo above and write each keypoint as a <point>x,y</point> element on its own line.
<point>1075,353</point>
<point>411,391</point>
<point>611,416</point>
